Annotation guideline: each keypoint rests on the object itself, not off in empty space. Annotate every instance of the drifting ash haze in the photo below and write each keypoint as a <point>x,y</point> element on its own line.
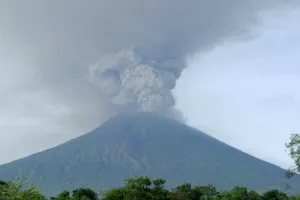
<point>133,51</point>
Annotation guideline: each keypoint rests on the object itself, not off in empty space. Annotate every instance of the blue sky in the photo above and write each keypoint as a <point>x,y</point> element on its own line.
<point>247,94</point>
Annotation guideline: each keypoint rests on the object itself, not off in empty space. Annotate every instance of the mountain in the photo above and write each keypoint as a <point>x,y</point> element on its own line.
<point>145,144</point>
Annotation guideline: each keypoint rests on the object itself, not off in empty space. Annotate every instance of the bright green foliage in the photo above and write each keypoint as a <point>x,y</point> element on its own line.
<point>3,185</point>
<point>115,193</point>
<point>252,195</point>
<point>142,188</point>
<point>294,198</point>
<point>293,148</point>
<point>239,193</point>
<point>84,193</point>
<point>18,191</point>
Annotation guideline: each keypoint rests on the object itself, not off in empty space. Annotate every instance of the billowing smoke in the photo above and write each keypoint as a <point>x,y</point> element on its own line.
<point>127,78</point>
<point>132,50</point>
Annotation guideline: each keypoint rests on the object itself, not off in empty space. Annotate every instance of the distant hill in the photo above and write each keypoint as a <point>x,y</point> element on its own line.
<point>145,144</point>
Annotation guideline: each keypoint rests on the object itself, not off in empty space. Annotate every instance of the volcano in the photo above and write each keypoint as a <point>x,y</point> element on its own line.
<point>149,145</point>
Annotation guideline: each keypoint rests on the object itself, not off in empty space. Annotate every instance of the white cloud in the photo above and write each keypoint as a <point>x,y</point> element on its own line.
<point>248,94</point>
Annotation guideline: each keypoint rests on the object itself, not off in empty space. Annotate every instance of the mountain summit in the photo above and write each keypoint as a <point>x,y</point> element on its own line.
<point>145,144</point>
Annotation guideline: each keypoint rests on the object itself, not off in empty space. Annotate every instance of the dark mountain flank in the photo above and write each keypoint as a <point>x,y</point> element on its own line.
<point>145,144</point>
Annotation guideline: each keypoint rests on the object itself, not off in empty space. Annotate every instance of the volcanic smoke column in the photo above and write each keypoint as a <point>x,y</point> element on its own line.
<point>129,79</point>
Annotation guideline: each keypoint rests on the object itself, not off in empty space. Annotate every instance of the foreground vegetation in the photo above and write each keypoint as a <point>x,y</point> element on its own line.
<point>140,188</point>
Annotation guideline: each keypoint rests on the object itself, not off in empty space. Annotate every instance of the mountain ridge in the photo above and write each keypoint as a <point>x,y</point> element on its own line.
<point>145,144</point>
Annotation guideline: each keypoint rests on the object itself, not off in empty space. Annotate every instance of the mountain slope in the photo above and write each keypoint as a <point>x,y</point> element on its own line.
<point>145,144</point>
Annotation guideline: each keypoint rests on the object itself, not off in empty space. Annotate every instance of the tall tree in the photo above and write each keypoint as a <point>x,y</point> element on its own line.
<point>84,193</point>
<point>293,148</point>
<point>16,191</point>
<point>139,188</point>
<point>274,195</point>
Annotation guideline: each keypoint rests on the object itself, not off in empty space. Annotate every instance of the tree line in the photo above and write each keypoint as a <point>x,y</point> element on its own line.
<point>141,188</point>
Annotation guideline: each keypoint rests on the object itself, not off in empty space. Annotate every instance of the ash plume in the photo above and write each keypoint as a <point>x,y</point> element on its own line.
<point>132,50</point>
<point>129,79</point>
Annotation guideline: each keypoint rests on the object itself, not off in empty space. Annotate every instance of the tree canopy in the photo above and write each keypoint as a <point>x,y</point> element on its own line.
<point>141,188</point>
<point>293,148</point>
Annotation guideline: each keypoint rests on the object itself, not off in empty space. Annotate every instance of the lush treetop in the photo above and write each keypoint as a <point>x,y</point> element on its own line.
<point>141,188</point>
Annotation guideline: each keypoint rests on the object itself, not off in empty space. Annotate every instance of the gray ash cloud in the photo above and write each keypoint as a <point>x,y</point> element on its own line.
<point>127,78</point>
<point>132,50</point>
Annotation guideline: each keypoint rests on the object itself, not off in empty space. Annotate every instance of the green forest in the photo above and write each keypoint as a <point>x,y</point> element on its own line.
<point>139,188</point>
